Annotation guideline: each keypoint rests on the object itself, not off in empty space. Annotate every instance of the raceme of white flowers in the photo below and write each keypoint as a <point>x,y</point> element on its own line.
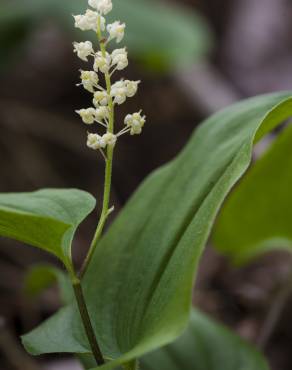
<point>105,98</point>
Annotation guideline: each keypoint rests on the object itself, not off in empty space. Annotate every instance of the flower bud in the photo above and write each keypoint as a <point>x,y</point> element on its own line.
<point>89,80</point>
<point>100,98</point>
<point>116,31</point>
<point>83,49</point>
<point>87,115</point>
<point>102,63</point>
<point>95,142</point>
<point>89,21</point>
<point>102,6</point>
<point>120,58</point>
<point>101,113</point>
<point>110,139</point>
<point>136,122</point>
<point>118,92</point>
<point>131,88</point>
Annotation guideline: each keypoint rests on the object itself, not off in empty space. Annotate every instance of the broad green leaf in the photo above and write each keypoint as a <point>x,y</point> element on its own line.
<point>41,276</point>
<point>205,345</point>
<point>258,214</point>
<point>139,285</point>
<point>46,219</point>
<point>163,35</point>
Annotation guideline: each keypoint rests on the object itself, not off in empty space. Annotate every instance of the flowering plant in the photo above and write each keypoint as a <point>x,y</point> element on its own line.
<point>132,294</point>
<point>105,98</point>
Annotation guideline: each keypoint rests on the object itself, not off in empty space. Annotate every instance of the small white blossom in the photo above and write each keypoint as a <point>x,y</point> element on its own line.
<point>100,98</point>
<point>118,92</point>
<point>83,49</point>
<point>81,22</point>
<point>95,141</point>
<point>101,113</point>
<point>120,58</point>
<point>116,31</point>
<point>87,115</point>
<point>136,122</point>
<point>110,139</point>
<point>102,6</point>
<point>123,89</point>
<point>89,80</point>
<point>89,21</point>
<point>102,63</point>
<point>131,88</point>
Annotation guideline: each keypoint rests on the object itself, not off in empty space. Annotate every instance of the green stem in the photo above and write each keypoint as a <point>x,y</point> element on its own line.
<point>87,322</point>
<point>108,169</point>
<point>100,226</point>
<point>104,213</point>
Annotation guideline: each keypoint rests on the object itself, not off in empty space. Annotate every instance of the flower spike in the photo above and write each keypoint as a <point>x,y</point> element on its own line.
<point>105,98</point>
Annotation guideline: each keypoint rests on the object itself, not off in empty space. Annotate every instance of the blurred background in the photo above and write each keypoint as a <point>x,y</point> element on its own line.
<point>193,57</point>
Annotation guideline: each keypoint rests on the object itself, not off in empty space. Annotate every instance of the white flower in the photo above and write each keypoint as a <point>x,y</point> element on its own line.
<point>95,141</point>
<point>118,92</point>
<point>89,80</point>
<point>101,113</point>
<point>81,22</point>
<point>87,115</point>
<point>89,21</point>
<point>136,122</point>
<point>102,63</point>
<point>100,98</point>
<point>123,89</point>
<point>102,6</point>
<point>116,31</point>
<point>110,139</point>
<point>120,58</point>
<point>90,115</point>
<point>83,49</point>
<point>131,88</point>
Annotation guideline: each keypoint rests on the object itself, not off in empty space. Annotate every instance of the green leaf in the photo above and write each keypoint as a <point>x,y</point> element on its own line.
<point>139,285</point>
<point>41,276</point>
<point>257,216</point>
<point>46,219</point>
<point>205,345</point>
<point>161,35</point>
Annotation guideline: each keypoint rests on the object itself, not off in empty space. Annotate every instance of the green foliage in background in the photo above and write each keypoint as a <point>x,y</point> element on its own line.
<point>257,216</point>
<point>161,35</point>
<point>46,219</point>
<point>205,345</point>
<point>41,276</point>
<point>138,286</point>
